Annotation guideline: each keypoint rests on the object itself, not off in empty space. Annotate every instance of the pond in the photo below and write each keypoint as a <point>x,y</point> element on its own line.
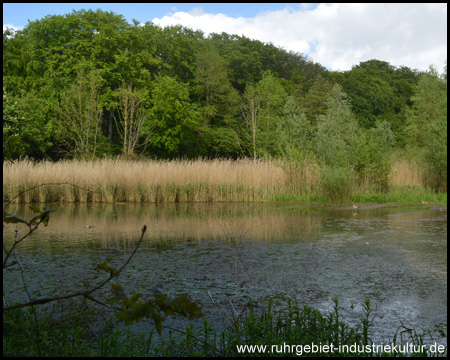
<point>226,253</point>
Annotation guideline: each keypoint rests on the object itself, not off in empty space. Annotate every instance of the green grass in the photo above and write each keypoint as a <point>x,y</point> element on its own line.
<point>401,198</point>
<point>73,331</point>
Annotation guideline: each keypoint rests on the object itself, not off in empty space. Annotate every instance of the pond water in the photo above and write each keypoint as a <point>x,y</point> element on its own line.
<point>230,252</point>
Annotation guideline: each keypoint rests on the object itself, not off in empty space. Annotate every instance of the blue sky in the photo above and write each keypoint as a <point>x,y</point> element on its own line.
<point>18,14</point>
<point>337,36</point>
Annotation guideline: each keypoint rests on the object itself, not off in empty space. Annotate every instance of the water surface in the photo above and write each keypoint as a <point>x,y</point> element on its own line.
<point>394,256</point>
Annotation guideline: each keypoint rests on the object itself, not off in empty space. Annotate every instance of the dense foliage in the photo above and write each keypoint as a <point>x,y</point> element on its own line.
<point>88,84</point>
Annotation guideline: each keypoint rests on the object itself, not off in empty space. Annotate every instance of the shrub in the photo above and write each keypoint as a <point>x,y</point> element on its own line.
<point>337,184</point>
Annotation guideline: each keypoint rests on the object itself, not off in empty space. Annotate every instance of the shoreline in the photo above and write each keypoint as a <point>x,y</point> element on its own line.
<point>381,205</point>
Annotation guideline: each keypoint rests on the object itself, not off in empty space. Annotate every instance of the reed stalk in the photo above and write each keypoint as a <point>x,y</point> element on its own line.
<point>218,180</point>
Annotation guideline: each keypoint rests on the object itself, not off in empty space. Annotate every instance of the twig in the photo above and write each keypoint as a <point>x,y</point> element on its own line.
<point>17,242</point>
<point>219,307</point>
<point>87,293</point>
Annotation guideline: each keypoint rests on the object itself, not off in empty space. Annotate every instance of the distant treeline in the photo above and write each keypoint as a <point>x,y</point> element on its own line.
<point>90,85</point>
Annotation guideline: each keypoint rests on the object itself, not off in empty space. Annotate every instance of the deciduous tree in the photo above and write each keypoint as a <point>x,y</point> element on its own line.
<point>132,121</point>
<point>174,117</point>
<point>78,117</point>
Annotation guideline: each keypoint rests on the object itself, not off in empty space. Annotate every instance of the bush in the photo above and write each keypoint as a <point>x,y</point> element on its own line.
<point>337,184</point>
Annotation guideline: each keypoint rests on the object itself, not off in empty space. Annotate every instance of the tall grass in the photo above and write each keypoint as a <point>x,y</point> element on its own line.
<point>200,180</point>
<point>281,329</point>
<point>408,173</point>
<point>146,181</point>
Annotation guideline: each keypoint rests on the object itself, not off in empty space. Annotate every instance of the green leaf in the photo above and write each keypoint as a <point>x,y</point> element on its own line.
<point>106,268</point>
<point>43,217</point>
<point>118,291</point>
<point>14,220</point>
<point>158,325</point>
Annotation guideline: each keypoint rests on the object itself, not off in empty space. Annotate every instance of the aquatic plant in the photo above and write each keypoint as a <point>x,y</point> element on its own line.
<point>200,180</point>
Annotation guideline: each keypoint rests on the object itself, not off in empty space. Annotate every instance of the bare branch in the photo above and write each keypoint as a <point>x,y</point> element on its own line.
<point>86,293</point>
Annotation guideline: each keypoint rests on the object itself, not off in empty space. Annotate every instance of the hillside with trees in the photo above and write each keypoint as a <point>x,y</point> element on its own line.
<point>89,85</point>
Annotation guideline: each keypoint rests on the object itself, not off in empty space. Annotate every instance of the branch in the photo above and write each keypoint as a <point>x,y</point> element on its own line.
<point>87,293</point>
<point>17,242</point>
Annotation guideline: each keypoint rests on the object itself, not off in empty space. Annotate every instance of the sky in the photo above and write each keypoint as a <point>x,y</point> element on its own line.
<point>338,36</point>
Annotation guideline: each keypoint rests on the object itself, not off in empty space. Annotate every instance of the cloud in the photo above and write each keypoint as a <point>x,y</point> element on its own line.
<point>339,36</point>
<point>15,28</point>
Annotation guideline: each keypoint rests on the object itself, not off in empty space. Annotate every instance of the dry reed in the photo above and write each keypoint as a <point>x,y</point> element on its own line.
<point>145,181</point>
<point>406,173</point>
<point>200,180</point>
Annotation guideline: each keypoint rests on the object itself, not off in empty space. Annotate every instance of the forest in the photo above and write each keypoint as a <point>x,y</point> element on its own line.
<point>89,85</point>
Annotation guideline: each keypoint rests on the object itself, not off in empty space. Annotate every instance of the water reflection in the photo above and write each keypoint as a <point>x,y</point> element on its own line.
<point>396,256</point>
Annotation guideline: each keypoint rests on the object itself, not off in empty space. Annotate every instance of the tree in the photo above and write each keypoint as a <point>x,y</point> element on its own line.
<point>262,105</point>
<point>427,124</point>
<point>10,118</point>
<point>250,108</point>
<point>13,145</point>
<point>337,136</point>
<point>79,115</point>
<point>132,123</point>
<point>272,97</point>
<point>295,132</point>
<point>243,56</point>
<point>371,95</point>
<point>213,84</point>
<point>35,129</point>
<point>174,117</point>
<point>176,48</point>
<point>371,155</point>
<point>315,100</point>
<point>337,130</point>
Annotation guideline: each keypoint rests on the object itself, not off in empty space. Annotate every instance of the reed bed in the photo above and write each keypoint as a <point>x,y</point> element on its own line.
<point>219,180</point>
<point>145,181</point>
<point>408,173</point>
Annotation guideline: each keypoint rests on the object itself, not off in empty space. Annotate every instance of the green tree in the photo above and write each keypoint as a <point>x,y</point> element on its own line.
<point>337,130</point>
<point>261,107</point>
<point>427,124</point>
<point>315,100</point>
<point>213,84</point>
<point>337,137</point>
<point>10,117</point>
<point>371,155</point>
<point>176,48</point>
<point>371,95</point>
<point>273,98</point>
<point>175,118</point>
<point>13,145</point>
<point>295,132</point>
<point>243,57</point>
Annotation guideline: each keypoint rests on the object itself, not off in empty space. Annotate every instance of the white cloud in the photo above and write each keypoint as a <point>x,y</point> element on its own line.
<point>339,36</point>
<point>15,28</point>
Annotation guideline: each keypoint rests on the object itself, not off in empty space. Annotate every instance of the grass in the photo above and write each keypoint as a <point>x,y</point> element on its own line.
<point>244,180</point>
<point>70,331</point>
